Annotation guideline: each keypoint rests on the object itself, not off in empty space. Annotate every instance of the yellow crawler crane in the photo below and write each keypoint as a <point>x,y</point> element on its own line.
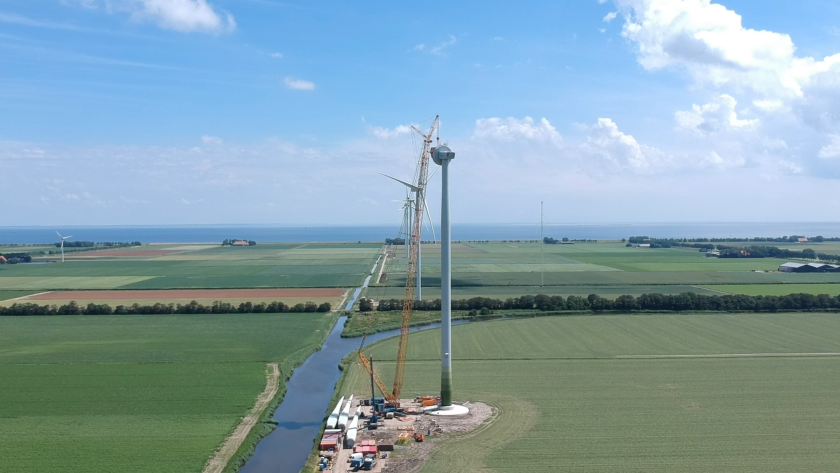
<point>393,396</point>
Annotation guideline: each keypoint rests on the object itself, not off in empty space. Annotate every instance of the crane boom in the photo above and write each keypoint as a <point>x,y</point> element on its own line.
<point>411,272</point>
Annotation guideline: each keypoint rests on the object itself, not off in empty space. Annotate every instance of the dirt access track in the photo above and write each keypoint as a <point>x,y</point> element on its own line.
<point>220,459</point>
<point>184,294</point>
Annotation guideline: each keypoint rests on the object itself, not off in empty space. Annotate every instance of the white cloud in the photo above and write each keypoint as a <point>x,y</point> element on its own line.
<point>179,15</point>
<point>831,150</point>
<point>610,16</point>
<point>714,160</point>
<point>277,55</point>
<point>769,105</point>
<point>420,47</point>
<point>618,149</point>
<point>399,130</point>
<point>211,140</point>
<point>442,47</point>
<point>298,84</point>
<point>710,41</point>
<point>512,129</point>
<point>717,115</point>
<point>185,15</point>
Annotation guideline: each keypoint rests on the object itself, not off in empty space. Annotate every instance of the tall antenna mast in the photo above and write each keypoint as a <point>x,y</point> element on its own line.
<point>542,247</point>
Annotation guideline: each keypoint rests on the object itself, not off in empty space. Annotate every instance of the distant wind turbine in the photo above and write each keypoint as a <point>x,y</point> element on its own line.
<point>62,244</point>
<point>416,190</point>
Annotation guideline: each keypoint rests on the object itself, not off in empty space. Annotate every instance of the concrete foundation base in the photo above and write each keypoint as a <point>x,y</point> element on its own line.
<point>453,410</point>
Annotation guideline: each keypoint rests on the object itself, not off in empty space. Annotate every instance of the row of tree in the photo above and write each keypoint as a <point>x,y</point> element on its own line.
<point>217,307</point>
<point>687,301</point>
<point>782,239</point>
<point>13,258</point>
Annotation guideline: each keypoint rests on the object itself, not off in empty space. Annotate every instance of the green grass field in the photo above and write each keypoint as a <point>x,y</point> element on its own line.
<point>588,268</point>
<point>688,392</point>
<point>136,393</point>
<point>199,266</point>
<point>504,292</point>
<point>779,289</point>
<point>6,295</point>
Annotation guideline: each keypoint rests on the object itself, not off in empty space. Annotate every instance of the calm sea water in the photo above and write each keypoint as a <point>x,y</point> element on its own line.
<point>269,233</point>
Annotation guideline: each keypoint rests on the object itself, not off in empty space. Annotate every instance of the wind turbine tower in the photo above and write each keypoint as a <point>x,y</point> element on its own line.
<point>62,244</point>
<point>442,155</point>
<point>417,191</point>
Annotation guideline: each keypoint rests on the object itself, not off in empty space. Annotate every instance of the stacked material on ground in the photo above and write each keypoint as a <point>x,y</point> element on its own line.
<point>365,447</point>
<point>345,414</point>
<point>331,440</point>
<point>352,430</point>
<point>332,421</point>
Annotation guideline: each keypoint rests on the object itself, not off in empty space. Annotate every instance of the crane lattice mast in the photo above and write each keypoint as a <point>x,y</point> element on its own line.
<point>411,272</point>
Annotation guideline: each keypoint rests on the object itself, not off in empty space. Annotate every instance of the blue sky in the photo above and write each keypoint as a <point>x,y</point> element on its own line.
<point>261,111</point>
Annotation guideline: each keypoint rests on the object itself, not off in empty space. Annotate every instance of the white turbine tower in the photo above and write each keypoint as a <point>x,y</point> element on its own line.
<point>62,244</point>
<point>405,228</point>
<point>416,191</point>
<point>442,156</point>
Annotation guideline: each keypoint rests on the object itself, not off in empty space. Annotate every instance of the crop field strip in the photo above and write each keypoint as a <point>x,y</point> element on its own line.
<point>504,292</point>
<point>693,392</point>
<point>262,266</point>
<point>180,296</point>
<point>140,393</point>
<point>594,264</point>
<point>779,289</point>
<point>9,295</point>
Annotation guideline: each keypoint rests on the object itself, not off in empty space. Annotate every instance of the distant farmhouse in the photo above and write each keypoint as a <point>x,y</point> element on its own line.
<point>235,242</point>
<point>791,267</point>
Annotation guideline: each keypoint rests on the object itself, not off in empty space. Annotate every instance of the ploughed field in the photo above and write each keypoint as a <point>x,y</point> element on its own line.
<point>509,269</point>
<point>686,392</point>
<point>267,265</point>
<point>180,296</point>
<point>137,393</point>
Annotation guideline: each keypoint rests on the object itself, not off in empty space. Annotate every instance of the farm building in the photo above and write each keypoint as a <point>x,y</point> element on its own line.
<point>712,254</point>
<point>3,259</point>
<point>802,240</point>
<point>643,245</point>
<point>791,267</point>
<point>239,243</point>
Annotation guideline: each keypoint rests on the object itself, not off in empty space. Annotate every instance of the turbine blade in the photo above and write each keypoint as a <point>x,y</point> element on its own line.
<point>59,235</point>
<point>429,216</point>
<point>68,236</point>
<point>410,186</point>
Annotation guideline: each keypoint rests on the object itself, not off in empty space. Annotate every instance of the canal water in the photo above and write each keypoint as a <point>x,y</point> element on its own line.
<point>308,394</point>
<point>300,415</point>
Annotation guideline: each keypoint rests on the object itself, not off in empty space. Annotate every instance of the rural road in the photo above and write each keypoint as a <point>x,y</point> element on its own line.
<point>220,459</point>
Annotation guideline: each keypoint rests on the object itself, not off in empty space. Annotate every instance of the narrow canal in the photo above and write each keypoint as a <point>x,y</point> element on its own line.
<point>308,393</point>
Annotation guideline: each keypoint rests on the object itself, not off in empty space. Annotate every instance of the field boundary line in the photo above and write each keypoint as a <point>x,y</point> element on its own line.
<point>220,459</point>
<point>28,295</point>
<point>732,355</point>
<point>713,290</point>
<point>382,268</point>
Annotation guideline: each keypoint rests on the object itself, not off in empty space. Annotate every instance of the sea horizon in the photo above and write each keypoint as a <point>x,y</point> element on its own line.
<point>283,233</point>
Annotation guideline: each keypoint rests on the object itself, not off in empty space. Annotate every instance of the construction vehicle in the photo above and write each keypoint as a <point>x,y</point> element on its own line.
<point>356,460</point>
<point>393,396</point>
<point>369,462</point>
